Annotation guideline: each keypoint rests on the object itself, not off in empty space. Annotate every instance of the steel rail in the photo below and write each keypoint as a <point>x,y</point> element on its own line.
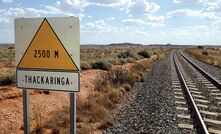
<point>207,75</point>
<point>196,114</point>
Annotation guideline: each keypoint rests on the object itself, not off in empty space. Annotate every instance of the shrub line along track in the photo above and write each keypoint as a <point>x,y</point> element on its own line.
<point>207,75</point>
<point>199,104</point>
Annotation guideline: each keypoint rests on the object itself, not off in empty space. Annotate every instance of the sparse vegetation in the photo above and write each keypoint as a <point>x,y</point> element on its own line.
<point>94,112</point>
<point>208,55</point>
<point>126,54</point>
<point>144,53</point>
<point>104,65</point>
<point>205,53</point>
<point>85,66</point>
<point>122,76</point>
<point>7,57</point>
<point>200,47</point>
<point>7,78</point>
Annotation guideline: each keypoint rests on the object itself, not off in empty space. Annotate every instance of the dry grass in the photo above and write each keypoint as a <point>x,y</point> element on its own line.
<point>7,62</point>
<point>7,57</point>
<point>94,113</point>
<point>116,55</point>
<point>208,55</point>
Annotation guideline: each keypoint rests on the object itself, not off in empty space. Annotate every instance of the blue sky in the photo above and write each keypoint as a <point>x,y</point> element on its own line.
<point>136,21</point>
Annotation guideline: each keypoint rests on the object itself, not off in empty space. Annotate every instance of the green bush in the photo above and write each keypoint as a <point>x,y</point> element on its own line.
<point>125,54</point>
<point>85,66</point>
<point>104,65</point>
<point>7,79</point>
<point>144,53</point>
<point>130,60</point>
<point>205,53</point>
<point>200,47</point>
<point>122,76</point>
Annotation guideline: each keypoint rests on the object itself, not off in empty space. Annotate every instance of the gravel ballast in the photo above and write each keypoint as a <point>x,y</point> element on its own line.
<point>213,70</point>
<point>153,109</point>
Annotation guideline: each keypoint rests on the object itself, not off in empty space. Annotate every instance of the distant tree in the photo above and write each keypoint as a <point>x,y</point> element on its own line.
<point>144,53</point>
<point>205,53</point>
<point>104,65</point>
<point>125,54</point>
<point>200,47</point>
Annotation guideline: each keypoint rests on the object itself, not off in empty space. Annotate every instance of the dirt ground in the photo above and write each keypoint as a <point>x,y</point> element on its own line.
<point>43,106</point>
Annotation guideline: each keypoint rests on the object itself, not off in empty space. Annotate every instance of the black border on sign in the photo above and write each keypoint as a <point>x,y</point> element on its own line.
<point>45,19</point>
<point>71,91</point>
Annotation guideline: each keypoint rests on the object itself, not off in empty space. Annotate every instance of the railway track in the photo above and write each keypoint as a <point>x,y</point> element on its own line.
<point>197,97</point>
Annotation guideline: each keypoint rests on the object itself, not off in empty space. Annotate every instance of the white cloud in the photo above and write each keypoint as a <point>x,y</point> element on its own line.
<point>184,12</point>
<point>130,16</point>
<point>200,34</point>
<point>217,25</point>
<point>189,1</point>
<point>15,12</point>
<point>130,6</point>
<point>4,20</point>
<point>7,15</point>
<point>53,9</point>
<point>140,34</point>
<point>213,6</point>
<point>129,22</point>
<point>143,7</point>
<point>7,1</point>
<point>74,6</point>
<point>193,13</point>
<point>23,12</point>
<point>96,26</point>
<point>104,1</point>
<point>111,18</point>
<point>150,21</point>
<point>111,3</point>
<point>155,19</point>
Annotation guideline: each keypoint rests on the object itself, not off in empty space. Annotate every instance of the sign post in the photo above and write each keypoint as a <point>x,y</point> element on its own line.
<point>26,114</point>
<point>47,53</point>
<point>73,125</point>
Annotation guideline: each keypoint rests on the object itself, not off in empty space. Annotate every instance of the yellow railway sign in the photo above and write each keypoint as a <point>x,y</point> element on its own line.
<point>48,53</point>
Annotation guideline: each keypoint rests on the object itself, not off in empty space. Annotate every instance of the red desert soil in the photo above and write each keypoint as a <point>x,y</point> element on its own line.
<point>42,105</point>
<point>11,103</point>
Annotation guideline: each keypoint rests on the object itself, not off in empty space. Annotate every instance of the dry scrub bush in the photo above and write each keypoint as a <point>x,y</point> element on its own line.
<point>130,60</point>
<point>144,54</point>
<point>200,47</point>
<point>99,113</point>
<point>103,83</point>
<point>115,95</point>
<point>103,65</point>
<point>205,53</point>
<point>125,54</point>
<point>95,110</point>
<point>85,66</point>
<point>7,79</point>
<point>7,56</point>
<point>121,76</point>
<point>37,119</point>
<point>204,56</point>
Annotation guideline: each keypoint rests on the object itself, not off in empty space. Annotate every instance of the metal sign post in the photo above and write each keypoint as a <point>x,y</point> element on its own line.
<point>47,53</point>
<point>73,124</point>
<point>26,111</point>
